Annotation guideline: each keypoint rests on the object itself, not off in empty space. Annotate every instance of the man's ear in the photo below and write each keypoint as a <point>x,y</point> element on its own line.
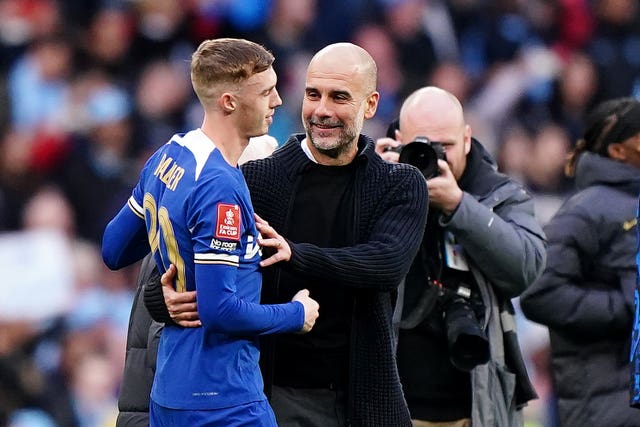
<point>372,105</point>
<point>467,139</point>
<point>617,151</point>
<point>228,103</point>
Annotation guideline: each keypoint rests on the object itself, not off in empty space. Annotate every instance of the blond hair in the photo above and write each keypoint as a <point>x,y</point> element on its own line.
<point>226,60</point>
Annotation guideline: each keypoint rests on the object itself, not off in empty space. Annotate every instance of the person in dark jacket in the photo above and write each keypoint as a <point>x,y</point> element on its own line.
<point>458,357</point>
<point>353,224</point>
<point>585,294</point>
<point>140,360</point>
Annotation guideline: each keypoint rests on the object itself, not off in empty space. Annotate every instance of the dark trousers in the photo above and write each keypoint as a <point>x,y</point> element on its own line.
<point>309,407</point>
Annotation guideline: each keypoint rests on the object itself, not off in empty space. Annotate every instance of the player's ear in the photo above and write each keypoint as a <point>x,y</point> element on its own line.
<point>228,103</point>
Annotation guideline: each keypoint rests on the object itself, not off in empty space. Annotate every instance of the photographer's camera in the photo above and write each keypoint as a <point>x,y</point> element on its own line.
<point>467,342</point>
<point>423,154</point>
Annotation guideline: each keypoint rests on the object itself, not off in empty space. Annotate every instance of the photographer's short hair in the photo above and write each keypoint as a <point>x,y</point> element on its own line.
<point>610,122</point>
<point>226,60</point>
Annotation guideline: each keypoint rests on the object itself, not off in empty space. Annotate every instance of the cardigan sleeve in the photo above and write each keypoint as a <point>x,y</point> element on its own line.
<point>385,257</point>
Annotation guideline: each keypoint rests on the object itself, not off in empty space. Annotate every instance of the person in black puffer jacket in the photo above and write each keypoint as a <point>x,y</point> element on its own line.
<point>585,294</point>
<point>143,336</point>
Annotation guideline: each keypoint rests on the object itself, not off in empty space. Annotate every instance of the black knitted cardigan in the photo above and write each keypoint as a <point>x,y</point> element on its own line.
<point>390,212</point>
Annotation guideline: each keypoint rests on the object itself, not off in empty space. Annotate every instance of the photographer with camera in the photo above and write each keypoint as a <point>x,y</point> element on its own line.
<point>458,355</point>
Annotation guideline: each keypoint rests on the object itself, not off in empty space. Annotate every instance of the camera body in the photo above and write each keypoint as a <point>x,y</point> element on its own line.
<point>467,342</point>
<point>423,154</point>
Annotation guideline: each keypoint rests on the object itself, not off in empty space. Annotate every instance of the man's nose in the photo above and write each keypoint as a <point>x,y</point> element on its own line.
<point>323,108</point>
<point>277,101</point>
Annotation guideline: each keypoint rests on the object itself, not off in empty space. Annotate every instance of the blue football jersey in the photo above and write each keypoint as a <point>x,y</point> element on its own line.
<point>196,213</point>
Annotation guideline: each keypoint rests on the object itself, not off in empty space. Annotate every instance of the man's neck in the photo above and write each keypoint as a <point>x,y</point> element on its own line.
<point>226,140</point>
<point>317,156</point>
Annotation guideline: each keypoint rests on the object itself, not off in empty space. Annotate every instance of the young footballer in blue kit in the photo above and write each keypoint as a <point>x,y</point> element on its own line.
<point>191,208</point>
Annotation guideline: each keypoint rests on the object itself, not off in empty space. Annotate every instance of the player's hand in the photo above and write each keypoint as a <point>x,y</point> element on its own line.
<point>181,305</point>
<point>388,149</point>
<point>269,238</point>
<point>311,309</point>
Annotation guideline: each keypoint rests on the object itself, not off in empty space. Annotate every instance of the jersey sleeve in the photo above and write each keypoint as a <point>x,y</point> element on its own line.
<point>125,238</point>
<point>222,310</point>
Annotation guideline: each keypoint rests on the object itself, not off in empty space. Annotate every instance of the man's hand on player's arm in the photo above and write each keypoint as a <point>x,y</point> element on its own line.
<point>182,306</point>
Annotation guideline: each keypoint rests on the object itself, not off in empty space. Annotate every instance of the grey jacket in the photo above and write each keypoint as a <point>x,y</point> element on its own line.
<point>505,247</point>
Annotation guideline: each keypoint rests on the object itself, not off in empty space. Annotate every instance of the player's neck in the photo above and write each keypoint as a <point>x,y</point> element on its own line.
<point>227,140</point>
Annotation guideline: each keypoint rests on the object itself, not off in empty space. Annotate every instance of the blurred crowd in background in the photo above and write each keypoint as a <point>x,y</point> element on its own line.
<point>88,89</point>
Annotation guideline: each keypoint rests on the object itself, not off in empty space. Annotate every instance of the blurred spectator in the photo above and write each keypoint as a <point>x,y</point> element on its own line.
<point>107,43</point>
<point>92,355</point>
<point>23,21</point>
<point>515,152</point>
<point>615,47</point>
<point>375,40</point>
<point>17,181</point>
<point>544,168</point>
<point>82,358</point>
<point>574,94</point>
<point>38,82</point>
<point>563,98</point>
<point>573,25</point>
<point>414,48</point>
<point>450,76</point>
<point>288,34</point>
<point>337,20</point>
<point>438,24</point>
<point>544,173</point>
<point>98,172</point>
<point>161,32</point>
<point>162,93</point>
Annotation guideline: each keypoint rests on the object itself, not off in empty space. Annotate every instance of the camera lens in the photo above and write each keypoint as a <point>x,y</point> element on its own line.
<point>468,344</point>
<point>421,155</point>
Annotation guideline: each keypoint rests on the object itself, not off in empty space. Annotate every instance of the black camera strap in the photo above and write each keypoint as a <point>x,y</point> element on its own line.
<point>431,289</point>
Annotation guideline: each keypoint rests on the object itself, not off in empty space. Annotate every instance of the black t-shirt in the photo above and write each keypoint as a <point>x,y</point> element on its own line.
<point>322,214</point>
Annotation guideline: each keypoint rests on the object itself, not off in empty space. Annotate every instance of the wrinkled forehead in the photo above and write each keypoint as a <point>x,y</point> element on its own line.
<point>331,75</point>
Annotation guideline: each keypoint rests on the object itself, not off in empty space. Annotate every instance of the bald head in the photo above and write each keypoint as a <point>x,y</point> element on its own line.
<point>340,94</point>
<point>431,104</point>
<point>346,59</point>
<point>437,114</point>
